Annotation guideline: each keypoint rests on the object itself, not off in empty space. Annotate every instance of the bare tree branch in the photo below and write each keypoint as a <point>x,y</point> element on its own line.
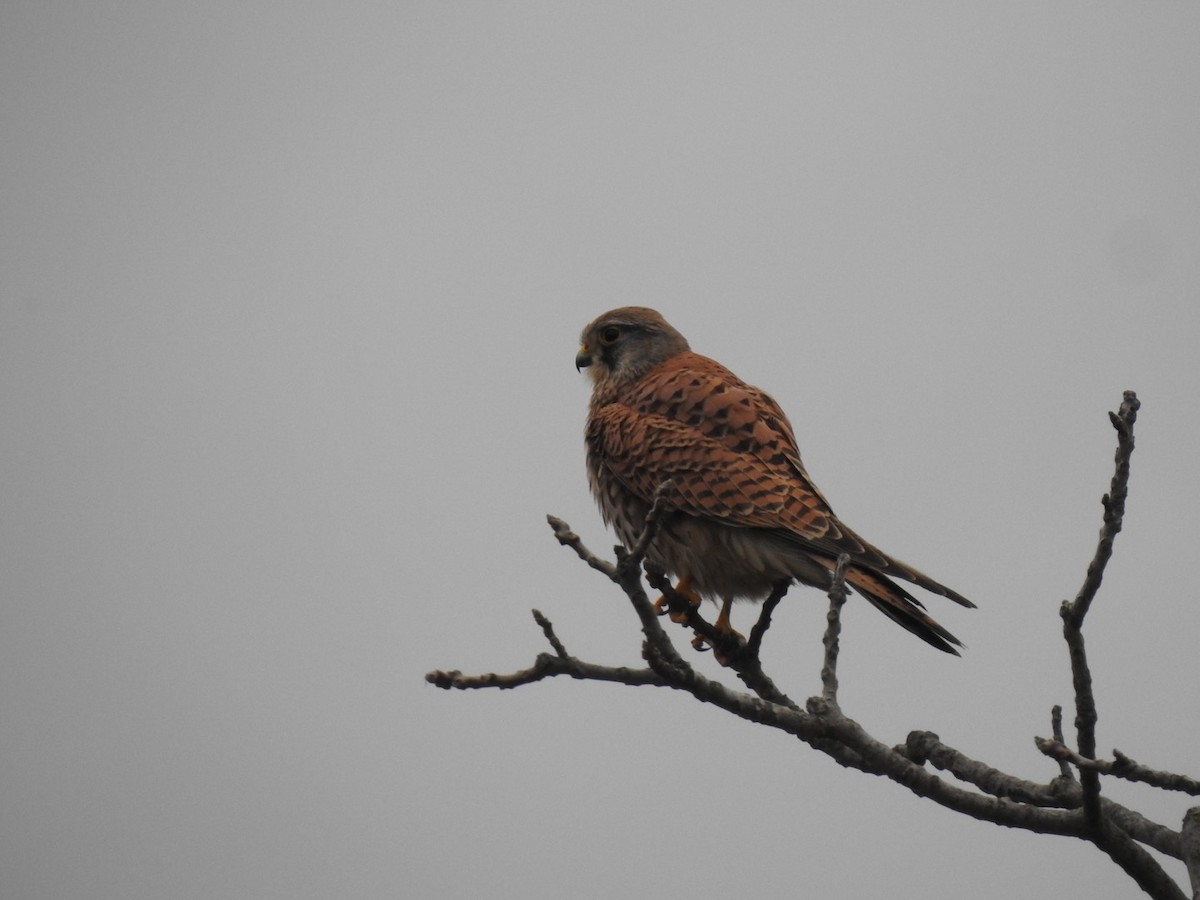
<point>568,538</point>
<point>1114,507</point>
<point>548,630</point>
<point>833,628</point>
<point>1073,613</point>
<point>653,518</point>
<point>759,631</point>
<point>1063,806</point>
<point>1056,730</point>
<point>1137,862</point>
<point>1190,849</point>
<point>658,651</point>
<point>733,652</point>
<point>925,746</point>
<point>1085,710</point>
<point>1120,766</point>
<point>545,666</point>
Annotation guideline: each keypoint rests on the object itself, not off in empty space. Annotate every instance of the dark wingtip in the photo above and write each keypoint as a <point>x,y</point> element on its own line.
<point>909,616</point>
<point>961,600</point>
<point>941,590</point>
<point>939,637</point>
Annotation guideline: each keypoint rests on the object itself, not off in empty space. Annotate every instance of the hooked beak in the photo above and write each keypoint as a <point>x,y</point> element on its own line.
<point>583,358</point>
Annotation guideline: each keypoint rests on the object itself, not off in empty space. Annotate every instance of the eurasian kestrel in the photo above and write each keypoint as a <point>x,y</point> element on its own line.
<point>743,515</point>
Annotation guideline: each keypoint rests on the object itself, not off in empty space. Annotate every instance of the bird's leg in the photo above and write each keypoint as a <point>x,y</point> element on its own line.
<point>678,602</point>
<point>722,624</point>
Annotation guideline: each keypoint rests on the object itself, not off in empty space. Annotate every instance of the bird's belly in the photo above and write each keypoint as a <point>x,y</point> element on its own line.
<point>723,561</point>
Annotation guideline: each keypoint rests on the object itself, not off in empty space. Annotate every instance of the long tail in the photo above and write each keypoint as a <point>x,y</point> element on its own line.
<point>902,608</point>
<point>870,573</point>
<point>884,565</point>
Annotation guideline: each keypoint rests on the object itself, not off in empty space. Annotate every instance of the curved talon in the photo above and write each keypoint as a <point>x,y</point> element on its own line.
<point>680,603</point>
<point>733,639</point>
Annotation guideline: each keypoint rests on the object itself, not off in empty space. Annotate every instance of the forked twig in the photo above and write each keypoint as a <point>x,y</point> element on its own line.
<point>1120,766</point>
<point>1073,612</point>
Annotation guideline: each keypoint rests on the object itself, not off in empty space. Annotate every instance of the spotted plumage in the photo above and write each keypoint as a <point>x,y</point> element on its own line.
<point>744,514</point>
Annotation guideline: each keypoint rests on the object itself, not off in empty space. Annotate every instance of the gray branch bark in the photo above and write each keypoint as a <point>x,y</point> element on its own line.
<point>1069,804</point>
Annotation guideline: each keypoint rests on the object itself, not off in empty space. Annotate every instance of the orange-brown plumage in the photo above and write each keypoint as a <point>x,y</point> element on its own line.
<point>744,512</point>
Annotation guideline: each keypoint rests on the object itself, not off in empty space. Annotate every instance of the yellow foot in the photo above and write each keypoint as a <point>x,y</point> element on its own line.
<point>679,604</point>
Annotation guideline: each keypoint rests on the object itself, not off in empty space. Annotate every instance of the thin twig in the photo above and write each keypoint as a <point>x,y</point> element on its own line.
<point>833,628</point>
<point>658,509</point>
<point>1120,766</point>
<point>545,666</point>
<point>568,538</point>
<point>548,630</point>
<point>1114,506</point>
<point>759,631</point>
<point>1056,730</point>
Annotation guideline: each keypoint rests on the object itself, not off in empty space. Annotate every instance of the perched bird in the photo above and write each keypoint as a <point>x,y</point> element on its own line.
<point>742,514</point>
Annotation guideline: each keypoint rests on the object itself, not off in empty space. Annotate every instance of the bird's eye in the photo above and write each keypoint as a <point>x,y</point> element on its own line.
<point>610,334</point>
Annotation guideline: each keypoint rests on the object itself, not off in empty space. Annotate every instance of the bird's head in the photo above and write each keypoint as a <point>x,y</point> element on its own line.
<point>623,344</point>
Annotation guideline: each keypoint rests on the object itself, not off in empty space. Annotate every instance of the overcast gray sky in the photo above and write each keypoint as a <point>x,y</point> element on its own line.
<point>289,298</point>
